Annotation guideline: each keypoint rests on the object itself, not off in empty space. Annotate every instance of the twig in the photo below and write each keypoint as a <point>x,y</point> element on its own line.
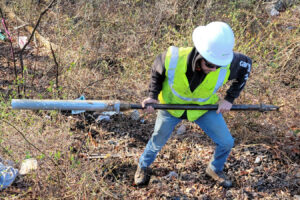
<point>37,24</point>
<point>29,40</point>
<point>109,193</point>
<point>90,84</point>
<point>12,50</point>
<point>57,67</point>
<point>21,26</point>
<point>23,136</point>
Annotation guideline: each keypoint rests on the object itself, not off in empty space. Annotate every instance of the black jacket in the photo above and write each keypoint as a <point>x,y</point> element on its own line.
<point>239,72</point>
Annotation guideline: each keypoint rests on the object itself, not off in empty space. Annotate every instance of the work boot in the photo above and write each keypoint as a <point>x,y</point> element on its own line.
<point>220,177</point>
<point>142,176</point>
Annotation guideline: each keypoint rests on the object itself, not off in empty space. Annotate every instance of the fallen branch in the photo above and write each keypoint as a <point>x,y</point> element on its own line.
<point>32,30</point>
<point>57,68</point>
<point>29,40</point>
<point>104,156</point>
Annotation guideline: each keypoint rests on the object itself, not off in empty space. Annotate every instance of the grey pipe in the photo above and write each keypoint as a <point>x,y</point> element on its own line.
<point>29,104</point>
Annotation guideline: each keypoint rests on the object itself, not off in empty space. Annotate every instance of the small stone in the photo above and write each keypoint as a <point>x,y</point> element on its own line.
<point>271,178</point>
<point>135,115</point>
<point>280,6</point>
<point>229,194</point>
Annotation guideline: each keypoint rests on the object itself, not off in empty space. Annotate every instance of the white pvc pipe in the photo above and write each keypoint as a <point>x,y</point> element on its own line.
<point>65,105</point>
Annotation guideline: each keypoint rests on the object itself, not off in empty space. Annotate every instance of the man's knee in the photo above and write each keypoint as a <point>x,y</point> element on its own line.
<point>157,144</point>
<point>228,143</point>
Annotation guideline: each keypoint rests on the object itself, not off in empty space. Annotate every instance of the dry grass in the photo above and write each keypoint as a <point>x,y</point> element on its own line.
<point>106,49</point>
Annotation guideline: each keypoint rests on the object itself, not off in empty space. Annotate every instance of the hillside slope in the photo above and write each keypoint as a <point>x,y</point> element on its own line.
<point>104,50</point>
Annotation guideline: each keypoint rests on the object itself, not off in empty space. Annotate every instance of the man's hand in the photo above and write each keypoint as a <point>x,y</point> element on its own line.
<point>224,106</point>
<point>149,100</point>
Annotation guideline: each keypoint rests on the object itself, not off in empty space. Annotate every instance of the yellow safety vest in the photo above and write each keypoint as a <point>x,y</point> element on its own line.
<point>176,88</point>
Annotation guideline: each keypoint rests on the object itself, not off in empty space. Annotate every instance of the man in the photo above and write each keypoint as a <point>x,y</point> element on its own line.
<point>192,76</point>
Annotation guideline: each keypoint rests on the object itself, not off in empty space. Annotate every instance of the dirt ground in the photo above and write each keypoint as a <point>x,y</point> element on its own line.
<point>82,157</point>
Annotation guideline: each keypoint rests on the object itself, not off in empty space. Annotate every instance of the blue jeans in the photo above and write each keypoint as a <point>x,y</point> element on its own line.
<point>211,123</point>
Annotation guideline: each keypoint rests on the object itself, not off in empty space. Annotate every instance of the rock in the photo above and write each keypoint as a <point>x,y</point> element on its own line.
<point>271,178</point>
<point>135,115</point>
<point>280,5</point>
<point>270,9</point>
<point>28,165</point>
<point>273,9</point>
<point>229,194</point>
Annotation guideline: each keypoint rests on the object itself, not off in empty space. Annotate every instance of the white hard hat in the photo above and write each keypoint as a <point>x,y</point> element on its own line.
<point>215,42</point>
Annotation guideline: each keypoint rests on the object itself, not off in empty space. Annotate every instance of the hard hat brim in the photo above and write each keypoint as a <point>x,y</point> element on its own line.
<point>199,35</point>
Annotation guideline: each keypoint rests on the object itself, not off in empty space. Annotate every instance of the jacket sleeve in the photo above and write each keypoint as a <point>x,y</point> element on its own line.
<point>239,72</point>
<point>157,76</point>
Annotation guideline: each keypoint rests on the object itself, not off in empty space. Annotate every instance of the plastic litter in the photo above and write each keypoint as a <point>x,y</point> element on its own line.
<point>7,175</point>
<point>22,41</point>
<point>105,116</point>
<point>109,113</point>
<point>274,12</point>
<point>2,36</point>
<point>102,118</point>
<point>28,165</point>
<point>74,112</point>
<point>171,175</point>
<point>257,160</point>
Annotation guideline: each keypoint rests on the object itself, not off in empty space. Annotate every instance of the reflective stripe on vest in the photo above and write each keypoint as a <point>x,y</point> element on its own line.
<point>171,74</point>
